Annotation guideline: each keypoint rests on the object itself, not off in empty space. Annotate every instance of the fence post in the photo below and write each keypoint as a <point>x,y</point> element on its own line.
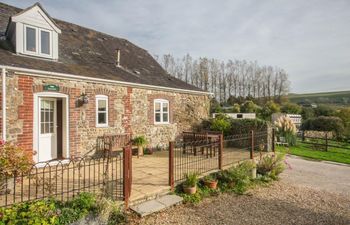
<point>326,141</point>
<point>273,139</point>
<point>252,147</point>
<point>126,175</point>
<point>221,147</point>
<point>171,165</point>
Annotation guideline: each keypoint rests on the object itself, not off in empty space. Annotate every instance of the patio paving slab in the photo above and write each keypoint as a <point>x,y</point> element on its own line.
<point>155,205</point>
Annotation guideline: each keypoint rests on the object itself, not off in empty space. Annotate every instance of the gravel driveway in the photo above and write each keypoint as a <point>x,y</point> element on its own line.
<point>302,196</point>
<point>325,176</point>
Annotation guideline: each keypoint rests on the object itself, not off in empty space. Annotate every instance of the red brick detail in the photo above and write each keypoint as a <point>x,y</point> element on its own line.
<point>91,108</point>
<point>25,113</point>
<point>126,120</point>
<point>151,99</point>
<point>74,117</point>
<point>40,88</point>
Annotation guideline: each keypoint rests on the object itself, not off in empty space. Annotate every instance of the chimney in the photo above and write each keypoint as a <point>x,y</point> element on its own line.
<point>118,57</point>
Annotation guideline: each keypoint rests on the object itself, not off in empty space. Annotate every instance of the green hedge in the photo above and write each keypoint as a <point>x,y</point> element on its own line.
<point>231,126</point>
<point>49,211</point>
<point>324,123</point>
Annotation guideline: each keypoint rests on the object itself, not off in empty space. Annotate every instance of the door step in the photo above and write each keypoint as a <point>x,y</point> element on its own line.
<point>156,205</point>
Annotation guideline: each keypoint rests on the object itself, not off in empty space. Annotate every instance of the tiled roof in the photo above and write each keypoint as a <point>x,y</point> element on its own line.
<point>90,53</point>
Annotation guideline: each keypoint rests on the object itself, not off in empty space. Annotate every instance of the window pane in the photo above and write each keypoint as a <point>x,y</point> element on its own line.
<point>47,126</point>
<point>165,117</point>
<point>45,42</point>
<point>157,117</point>
<point>102,105</point>
<point>51,116</point>
<point>47,116</point>
<point>157,107</point>
<point>51,127</point>
<point>165,107</point>
<point>42,128</point>
<point>31,39</point>
<point>101,118</point>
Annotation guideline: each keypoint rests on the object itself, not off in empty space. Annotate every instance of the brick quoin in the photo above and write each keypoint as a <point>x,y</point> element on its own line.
<point>25,113</point>
<point>126,121</point>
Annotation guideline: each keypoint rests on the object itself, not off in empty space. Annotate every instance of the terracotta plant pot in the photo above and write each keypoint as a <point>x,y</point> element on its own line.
<point>190,190</point>
<point>211,184</point>
<point>140,150</point>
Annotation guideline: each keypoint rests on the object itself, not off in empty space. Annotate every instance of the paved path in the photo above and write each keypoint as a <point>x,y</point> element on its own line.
<point>324,176</point>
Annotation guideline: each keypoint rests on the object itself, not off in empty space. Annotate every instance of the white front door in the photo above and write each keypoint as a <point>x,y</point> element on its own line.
<point>47,129</point>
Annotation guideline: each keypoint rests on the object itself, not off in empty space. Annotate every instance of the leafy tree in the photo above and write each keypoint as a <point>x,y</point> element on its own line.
<point>307,113</point>
<point>325,123</point>
<point>344,115</point>
<point>324,110</point>
<point>236,108</point>
<point>269,108</point>
<point>249,107</point>
<point>215,106</point>
<point>291,108</point>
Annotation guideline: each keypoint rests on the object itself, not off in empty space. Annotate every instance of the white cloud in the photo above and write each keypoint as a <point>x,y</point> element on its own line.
<point>309,39</point>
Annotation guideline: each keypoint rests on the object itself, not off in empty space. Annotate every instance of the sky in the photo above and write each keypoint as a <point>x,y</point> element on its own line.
<point>309,39</point>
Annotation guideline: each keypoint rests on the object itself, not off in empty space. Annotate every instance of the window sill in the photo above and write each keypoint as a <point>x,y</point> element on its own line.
<point>162,123</point>
<point>102,126</point>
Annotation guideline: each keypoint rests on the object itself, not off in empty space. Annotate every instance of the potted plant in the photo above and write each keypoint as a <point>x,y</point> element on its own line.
<point>140,142</point>
<point>190,184</point>
<point>210,181</point>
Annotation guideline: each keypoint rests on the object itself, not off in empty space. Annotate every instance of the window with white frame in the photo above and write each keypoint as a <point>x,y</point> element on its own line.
<point>161,111</point>
<point>101,111</point>
<point>37,41</point>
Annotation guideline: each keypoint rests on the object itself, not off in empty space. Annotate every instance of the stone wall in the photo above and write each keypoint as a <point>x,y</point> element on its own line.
<point>130,111</point>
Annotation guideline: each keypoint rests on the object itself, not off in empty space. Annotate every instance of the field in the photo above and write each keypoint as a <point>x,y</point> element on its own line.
<point>304,150</point>
<point>341,98</point>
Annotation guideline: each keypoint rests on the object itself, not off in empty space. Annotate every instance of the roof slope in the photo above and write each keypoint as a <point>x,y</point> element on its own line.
<point>90,53</point>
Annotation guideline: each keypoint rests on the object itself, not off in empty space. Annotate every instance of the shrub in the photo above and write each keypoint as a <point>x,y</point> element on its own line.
<point>249,107</point>
<point>268,109</point>
<point>286,128</point>
<point>244,126</point>
<point>291,108</point>
<point>236,108</point>
<point>49,211</point>
<point>220,123</point>
<point>271,165</point>
<point>324,110</point>
<point>325,123</point>
<point>236,178</point>
<point>13,160</point>
<point>39,212</point>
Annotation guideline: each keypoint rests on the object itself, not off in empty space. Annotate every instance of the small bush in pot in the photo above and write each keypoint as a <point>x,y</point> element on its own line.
<point>210,181</point>
<point>190,184</point>
<point>271,166</point>
<point>140,142</point>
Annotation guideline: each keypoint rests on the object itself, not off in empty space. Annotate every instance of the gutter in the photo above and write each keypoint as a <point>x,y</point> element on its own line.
<point>3,101</point>
<point>48,74</point>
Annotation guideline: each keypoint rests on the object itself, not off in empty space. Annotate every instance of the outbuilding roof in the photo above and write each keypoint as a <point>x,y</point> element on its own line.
<point>89,53</point>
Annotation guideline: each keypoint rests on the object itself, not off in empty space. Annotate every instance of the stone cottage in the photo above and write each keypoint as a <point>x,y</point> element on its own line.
<point>64,85</point>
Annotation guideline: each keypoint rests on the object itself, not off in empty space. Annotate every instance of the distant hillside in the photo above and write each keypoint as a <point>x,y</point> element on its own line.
<point>341,98</point>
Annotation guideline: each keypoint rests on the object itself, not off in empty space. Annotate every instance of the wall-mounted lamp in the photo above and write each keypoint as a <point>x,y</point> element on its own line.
<point>84,99</point>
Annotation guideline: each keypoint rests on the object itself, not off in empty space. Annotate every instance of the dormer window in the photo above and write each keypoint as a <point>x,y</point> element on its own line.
<point>37,41</point>
<point>34,33</point>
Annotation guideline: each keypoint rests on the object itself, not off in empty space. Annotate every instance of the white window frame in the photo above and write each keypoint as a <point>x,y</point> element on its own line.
<point>161,102</point>
<point>37,42</point>
<point>104,98</point>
